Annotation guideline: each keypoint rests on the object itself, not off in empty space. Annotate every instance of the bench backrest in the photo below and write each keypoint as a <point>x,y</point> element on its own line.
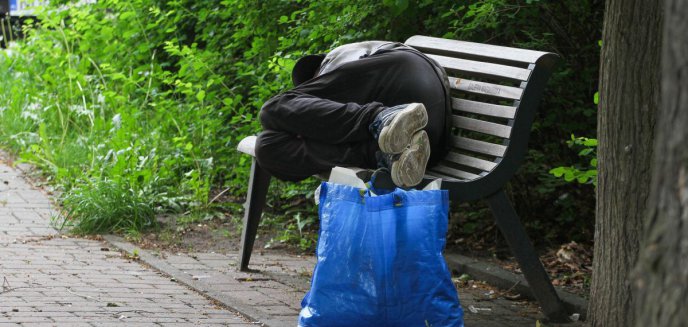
<point>495,92</point>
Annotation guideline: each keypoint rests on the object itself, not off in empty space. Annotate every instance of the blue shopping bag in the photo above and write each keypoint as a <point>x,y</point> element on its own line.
<point>379,261</point>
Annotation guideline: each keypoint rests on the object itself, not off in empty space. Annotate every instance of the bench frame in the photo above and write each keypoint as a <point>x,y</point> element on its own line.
<point>488,185</point>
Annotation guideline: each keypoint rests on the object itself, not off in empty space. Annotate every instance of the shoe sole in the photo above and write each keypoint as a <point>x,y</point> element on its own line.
<point>397,135</point>
<point>409,169</point>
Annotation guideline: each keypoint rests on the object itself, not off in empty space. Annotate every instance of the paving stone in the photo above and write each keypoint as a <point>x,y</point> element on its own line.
<point>56,281</point>
<point>280,310</point>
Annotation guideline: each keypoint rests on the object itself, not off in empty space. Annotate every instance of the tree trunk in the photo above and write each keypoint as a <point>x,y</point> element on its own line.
<point>629,93</point>
<point>662,276</point>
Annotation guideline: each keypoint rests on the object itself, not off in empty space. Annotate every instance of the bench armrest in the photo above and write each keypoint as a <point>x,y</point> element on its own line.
<point>248,145</point>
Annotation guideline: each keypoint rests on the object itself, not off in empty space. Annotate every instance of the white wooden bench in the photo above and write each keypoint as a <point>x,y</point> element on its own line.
<point>495,93</point>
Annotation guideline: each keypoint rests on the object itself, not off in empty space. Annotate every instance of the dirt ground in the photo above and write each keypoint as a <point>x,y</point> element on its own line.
<point>218,235</point>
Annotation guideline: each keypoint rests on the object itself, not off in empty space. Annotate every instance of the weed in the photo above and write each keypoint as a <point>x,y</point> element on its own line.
<point>106,206</point>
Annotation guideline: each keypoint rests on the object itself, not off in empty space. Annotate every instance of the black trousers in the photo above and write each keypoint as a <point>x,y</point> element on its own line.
<point>323,122</point>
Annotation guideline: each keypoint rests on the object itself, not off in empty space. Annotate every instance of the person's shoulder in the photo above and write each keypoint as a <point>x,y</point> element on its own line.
<point>373,44</point>
<point>389,45</point>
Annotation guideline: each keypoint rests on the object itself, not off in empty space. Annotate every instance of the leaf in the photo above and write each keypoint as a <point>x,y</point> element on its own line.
<point>585,152</point>
<point>569,176</point>
<point>300,224</point>
<point>558,172</point>
<point>126,15</point>
<point>200,96</point>
<point>118,76</point>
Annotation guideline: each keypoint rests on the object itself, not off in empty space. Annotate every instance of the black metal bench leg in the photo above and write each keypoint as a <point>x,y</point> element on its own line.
<point>515,235</point>
<point>255,201</point>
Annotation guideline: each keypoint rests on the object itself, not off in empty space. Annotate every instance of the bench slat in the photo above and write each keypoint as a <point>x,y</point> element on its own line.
<point>482,126</point>
<point>482,68</point>
<point>453,172</point>
<point>469,161</point>
<point>434,174</point>
<point>494,90</point>
<point>482,108</point>
<point>482,147</point>
<point>430,44</point>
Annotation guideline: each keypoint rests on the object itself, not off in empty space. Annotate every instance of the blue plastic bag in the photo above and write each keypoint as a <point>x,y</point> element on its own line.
<point>379,261</point>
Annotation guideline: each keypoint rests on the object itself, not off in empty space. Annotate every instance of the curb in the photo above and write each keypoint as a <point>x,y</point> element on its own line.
<point>256,317</point>
<point>506,280</point>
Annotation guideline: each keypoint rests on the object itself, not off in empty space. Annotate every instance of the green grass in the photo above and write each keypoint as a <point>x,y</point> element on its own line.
<point>108,206</point>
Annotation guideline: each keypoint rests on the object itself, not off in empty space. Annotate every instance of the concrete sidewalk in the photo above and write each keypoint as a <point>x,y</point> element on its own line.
<point>272,293</point>
<point>54,280</point>
<point>51,280</point>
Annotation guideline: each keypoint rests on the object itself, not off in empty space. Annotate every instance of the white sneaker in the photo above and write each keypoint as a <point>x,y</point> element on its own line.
<point>409,168</point>
<point>397,125</point>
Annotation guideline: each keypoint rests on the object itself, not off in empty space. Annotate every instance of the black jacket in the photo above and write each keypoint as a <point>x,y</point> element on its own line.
<point>355,51</point>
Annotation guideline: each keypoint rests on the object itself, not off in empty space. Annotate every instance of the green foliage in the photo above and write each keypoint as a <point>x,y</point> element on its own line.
<point>300,231</point>
<point>586,173</point>
<point>149,98</point>
<point>582,175</point>
<point>108,206</point>
<point>90,102</point>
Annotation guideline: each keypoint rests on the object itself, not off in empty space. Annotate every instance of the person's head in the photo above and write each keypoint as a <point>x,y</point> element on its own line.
<point>306,68</point>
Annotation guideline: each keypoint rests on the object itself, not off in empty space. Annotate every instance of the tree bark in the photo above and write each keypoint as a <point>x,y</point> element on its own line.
<point>629,95</point>
<point>662,276</point>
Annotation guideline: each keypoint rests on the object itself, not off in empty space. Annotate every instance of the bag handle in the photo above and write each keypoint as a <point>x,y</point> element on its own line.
<point>399,197</point>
